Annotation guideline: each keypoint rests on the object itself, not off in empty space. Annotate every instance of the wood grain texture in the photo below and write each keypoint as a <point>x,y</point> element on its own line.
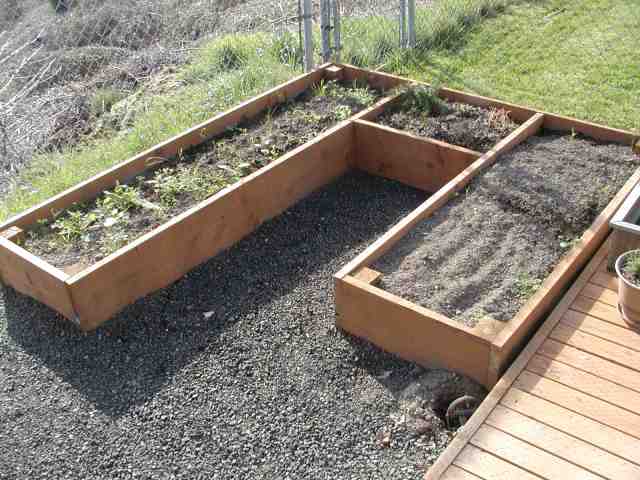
<point>414,333</point>
<point>205,230</point>
<point>368,275</point>
<point>613,333</point>
<point>602,294</point>
<point>422,163</point>
<point>600,310</point>
<point>597,346</point>
<point>31,276</point>
<point>490,467</point>
<point>588,362</point>
<point>586,382</point>
<point>527,456</point>
<point>574,424</point>
<point>580,403</point>
<point>563,445</point>
<point>605,279</point>
<point>456,473</point>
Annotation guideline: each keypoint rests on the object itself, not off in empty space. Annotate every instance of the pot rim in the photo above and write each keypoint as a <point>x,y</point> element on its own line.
<point>619,266</point>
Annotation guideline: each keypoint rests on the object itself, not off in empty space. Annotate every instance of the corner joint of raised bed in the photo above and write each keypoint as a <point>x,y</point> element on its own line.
<point>334,72</point>
<point>13,234</point>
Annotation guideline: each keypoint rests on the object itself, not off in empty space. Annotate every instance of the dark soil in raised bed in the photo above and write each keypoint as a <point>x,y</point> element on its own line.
<point>236,371</point>
<point>459,124</point>
<point>200,173</point>
<point>481,256</point>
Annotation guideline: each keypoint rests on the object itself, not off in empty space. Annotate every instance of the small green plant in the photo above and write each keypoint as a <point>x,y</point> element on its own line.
<point>527,285</point>
<point>73,225</point>
<point>170,183</point>
<point>342,112</point>
<point>321,89</point>
<point>631,267</point>
<point>423,98</point>
<point>121,199</point>
<point>361,95</point>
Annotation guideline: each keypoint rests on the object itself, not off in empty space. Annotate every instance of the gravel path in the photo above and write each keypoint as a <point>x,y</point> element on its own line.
<point>236,371</point>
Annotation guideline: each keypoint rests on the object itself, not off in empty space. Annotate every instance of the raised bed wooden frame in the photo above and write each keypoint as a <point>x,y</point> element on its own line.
<point>425,336</point>
<point>158,258</point>
<point>95,294</point>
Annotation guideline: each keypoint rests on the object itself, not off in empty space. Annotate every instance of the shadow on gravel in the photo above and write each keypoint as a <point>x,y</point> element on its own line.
<point>127,361</point>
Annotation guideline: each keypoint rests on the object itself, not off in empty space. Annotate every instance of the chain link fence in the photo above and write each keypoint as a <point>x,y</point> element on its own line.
<point>63,61</point>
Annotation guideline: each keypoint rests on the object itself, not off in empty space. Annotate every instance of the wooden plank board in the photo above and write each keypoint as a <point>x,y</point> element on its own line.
<point>503,387</point>
<point>606,330</point>
<point>558,443</point>
<point>586,382</point>
<point>412,332</point>
<point>599,132</point>
<point>29,275</point>
<point>456,473</point>
<point>606,280</point>
<point>381,80</point>
<point>597,346</point>
<point>510,339</point>
<point>196,135</point>
<point>527,456</point>
<point>517,112</point>
<point>602,294</point>
<point>490,467</point>
<point>389,239</point>
<point>580,403</point>
<point>574,424</point>
<point>588,362</point>
<point>422,163</point>
<point>599,310</point>
<point>368,275</point>
<point>205,230</point>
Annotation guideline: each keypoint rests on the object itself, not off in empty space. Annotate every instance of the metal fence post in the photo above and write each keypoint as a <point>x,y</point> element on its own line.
<point>403,23</point>
<point>325,29</point>
<point>337,41</point>
<point>307,12</point>
<point>412,23</point>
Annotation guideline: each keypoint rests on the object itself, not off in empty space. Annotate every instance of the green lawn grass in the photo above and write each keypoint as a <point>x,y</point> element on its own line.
<point>578,58</point>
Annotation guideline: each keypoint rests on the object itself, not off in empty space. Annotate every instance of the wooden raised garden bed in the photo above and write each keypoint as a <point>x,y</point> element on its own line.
<point>91,294</point>
<point>425,335</point>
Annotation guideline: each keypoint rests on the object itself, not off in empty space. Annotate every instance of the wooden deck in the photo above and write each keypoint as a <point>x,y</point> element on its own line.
<point>569,406</point>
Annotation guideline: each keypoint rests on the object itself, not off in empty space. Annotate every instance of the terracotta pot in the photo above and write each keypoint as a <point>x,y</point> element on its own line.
<point>628,295</point>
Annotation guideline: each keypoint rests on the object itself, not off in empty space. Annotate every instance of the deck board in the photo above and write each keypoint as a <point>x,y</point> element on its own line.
<point>569,406</point>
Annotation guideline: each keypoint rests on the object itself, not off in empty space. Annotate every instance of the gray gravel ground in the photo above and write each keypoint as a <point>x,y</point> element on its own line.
<point>234,371</point>
<point>480,257</point>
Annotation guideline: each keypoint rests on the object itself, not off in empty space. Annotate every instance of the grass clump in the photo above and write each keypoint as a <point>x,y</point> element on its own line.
<point>202,96</point>
<point>423,99</point>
